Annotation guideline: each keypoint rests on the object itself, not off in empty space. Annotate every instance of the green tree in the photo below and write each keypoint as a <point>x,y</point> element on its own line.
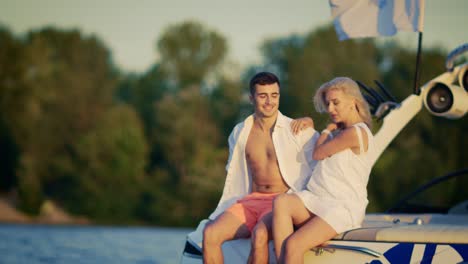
<point>185,117</point>
<point>303,63</point>
<point>189,51</point>
<point>10,95</point>
<point>109,167</point>
<point>64,82</point>
<point>428,147</point>
<point>226,102</point>
<point>143,92</point>
<point>189,139</point>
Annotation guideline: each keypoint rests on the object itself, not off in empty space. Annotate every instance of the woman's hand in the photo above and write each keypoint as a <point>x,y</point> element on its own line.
<point>299,124</point>
<point>331,127</point>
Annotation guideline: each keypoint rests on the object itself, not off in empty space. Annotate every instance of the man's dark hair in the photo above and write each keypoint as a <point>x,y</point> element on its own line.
<point>262,78</point>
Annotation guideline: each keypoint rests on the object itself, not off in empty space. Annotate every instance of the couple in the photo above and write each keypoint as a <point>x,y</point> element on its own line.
<point>282,175</point>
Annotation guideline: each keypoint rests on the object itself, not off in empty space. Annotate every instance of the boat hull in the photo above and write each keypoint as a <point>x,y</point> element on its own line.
<point>354,252</point>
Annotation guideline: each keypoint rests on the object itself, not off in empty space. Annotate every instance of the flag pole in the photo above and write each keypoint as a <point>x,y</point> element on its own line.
<point>422,7</point>
<point>418,67</point>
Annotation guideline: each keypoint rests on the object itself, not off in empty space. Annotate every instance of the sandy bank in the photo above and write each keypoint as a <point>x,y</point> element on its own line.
<point>50,213</point>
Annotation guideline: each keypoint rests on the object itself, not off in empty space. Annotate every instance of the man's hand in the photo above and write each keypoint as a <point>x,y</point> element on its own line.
<point>299,124</point>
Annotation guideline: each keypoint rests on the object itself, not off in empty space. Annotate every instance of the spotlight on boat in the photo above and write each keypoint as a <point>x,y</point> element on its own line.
<point>447,95</point>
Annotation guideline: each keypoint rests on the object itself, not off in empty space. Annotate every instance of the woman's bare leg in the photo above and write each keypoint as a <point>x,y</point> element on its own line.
<point>288,210</point>
<point>313,233</point>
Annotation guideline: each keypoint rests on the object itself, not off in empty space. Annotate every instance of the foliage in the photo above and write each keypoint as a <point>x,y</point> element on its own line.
<point>111,158</point>
<point>60,83</point>
<point>425,140</point>
<point>305,62</point>
<point>184,118</point>
<point>189,52</point>
<point>10,76</point>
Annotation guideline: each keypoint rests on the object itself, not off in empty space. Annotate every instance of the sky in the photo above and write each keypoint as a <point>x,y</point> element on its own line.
<point>130,29</point>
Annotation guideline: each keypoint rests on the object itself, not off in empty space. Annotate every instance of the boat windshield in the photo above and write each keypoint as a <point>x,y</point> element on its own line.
<point>440,195</point>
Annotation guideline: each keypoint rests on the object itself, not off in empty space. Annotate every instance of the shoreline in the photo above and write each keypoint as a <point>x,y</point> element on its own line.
<point>50,214</point>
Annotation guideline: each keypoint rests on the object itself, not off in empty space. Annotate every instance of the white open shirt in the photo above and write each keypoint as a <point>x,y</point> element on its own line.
<point>294,155</point>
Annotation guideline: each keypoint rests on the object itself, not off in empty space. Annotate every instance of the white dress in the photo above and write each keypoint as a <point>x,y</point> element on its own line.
<point>337,189</point>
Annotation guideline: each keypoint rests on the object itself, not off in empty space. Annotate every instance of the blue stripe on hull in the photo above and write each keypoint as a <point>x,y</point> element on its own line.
<point>402,253</point>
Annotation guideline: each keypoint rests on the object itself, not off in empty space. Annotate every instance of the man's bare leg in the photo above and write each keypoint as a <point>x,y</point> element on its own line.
<point>226,227</point>
<point>261,234</point>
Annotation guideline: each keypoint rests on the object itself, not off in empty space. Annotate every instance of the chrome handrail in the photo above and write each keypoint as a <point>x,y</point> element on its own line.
<point>331,248</point>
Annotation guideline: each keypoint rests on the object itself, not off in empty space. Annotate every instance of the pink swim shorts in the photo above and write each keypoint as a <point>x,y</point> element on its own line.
<point>252,208</point>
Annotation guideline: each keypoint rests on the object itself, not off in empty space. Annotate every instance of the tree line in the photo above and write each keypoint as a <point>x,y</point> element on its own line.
<point>151,147</point>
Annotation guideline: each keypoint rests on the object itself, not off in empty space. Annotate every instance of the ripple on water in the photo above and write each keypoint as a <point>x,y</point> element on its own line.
<point>90,244</point>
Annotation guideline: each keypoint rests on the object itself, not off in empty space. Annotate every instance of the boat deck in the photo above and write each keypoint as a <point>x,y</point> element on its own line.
<point>423,228</point>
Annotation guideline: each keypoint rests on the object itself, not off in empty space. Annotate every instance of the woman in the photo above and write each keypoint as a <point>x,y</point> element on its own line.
<point>336,197</point>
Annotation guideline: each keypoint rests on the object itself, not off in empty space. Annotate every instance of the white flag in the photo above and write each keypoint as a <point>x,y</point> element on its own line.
<point>369,18</point>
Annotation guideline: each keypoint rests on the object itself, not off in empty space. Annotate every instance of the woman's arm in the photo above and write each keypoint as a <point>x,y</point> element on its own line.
<point>324,148</point>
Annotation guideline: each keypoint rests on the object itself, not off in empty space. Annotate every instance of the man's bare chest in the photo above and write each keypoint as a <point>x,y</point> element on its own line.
<point>260,146</point>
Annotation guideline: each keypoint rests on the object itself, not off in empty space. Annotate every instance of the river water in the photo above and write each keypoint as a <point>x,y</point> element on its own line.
<point>90,244</point>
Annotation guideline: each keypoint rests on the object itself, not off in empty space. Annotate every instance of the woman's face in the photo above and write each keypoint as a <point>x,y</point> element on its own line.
<point>339,105</point>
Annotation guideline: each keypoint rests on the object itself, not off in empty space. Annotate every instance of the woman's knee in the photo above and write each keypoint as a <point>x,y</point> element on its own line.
<point>281,202</point>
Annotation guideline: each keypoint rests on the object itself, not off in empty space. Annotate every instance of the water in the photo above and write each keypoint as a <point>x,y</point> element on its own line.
<point>90,244</point>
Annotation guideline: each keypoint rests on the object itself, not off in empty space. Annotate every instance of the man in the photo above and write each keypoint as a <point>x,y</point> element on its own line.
<point>266,159</point>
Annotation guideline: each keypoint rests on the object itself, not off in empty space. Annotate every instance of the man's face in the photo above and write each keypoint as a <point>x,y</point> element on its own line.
<point>266,99</point>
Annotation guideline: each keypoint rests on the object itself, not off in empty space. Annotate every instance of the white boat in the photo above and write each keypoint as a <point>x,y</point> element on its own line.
<point>407,233</point>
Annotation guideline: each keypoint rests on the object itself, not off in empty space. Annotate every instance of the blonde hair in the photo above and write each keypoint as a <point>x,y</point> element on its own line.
<point>349,88</point>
